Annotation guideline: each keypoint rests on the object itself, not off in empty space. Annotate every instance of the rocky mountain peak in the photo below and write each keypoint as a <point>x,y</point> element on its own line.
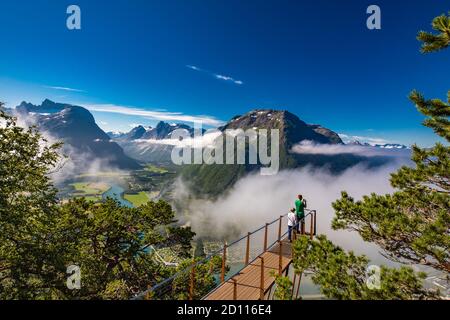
<point>47,106</point>
<point>293,129</point>
<point>76,127</point>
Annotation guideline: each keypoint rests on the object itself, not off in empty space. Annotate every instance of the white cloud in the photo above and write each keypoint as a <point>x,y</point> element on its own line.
<point>257,199</point>
<point>206,140</point>
<point>308,147</point>
<point>216,75</point>
<point>64,88</point>
<point>193,68</point>
<point>156,115</point>
<point>371,140</point>
<point>226,78</point>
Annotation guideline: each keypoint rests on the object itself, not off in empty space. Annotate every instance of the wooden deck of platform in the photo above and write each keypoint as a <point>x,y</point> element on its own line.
<point>248,281</point>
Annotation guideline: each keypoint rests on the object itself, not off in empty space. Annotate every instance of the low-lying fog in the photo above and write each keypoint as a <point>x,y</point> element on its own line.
<point>257,199</point>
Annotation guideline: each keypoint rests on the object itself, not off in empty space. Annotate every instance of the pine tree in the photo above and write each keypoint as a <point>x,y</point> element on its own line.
<point>436,42</point>
<point>40,237</point>
<point>411,226</point>
<point>344,275</point>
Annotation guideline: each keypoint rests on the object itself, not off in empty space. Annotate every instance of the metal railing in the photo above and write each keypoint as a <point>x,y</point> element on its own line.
<point>268,245</point>
<point>235,256</point>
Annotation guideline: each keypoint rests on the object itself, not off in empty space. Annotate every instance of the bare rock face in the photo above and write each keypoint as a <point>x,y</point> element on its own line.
<point>292,129</point>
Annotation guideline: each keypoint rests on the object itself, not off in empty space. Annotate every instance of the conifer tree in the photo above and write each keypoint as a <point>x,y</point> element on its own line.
<point>411,226</point>
<point>435,42</point>
<point>40,236</point>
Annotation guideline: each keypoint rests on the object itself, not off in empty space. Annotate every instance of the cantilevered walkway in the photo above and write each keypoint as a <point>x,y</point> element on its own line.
<point>249,266</point>
<point>256,280</point>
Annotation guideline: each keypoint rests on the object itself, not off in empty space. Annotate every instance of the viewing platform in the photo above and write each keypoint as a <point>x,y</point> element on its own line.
<point>257,278</point>
<point>255,281</point>
<point>249,266</point>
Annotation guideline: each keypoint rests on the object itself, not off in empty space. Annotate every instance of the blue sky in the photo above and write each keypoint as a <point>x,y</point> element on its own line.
<point>142,61</point>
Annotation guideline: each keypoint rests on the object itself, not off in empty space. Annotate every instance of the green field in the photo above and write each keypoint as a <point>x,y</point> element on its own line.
<point>137,199</point>
<point>90,191</point>
<point>90,188</point>
<point>154,169</point>
<point>92,198</point>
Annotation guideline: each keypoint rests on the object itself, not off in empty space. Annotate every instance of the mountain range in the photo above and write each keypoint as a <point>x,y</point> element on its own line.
<point>214,179</point>
<point>377,145</point>
<point>154,145</point>
<point>75,126</point>
<point>162,131</point>
<point>84,139</point>
<point>146,144</point>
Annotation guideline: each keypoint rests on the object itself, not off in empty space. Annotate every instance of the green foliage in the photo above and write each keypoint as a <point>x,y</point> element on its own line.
<point>203,275</point>
<point>436,42</point>
<point>343,275</point>
<point>437,112</point>
<point>283,289</point>
<point>27,206</point>
<point>212,179</point>
<point>413,224</point>
<point>108,241</point>
<point>155,169</point>
<point>411,227</point>
<point>199,249</point>
<point>40,238</point>
<point>116,290</point>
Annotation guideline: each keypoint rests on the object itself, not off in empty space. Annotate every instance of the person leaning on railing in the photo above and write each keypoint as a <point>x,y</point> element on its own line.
<point>300,205</point>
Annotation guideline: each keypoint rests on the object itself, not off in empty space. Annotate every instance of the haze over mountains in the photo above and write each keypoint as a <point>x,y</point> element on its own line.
<point>213,179</point>
<point>84,139</point>
<point>149,144</point>
<point>162,130</point>
<point>383,146</point>
<point>154,145</point>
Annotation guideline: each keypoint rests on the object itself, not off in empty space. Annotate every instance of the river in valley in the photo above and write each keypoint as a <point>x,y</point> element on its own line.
<point>116,192</point>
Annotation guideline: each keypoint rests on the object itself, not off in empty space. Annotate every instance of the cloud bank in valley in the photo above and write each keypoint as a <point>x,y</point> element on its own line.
<point>371,140</point>
<point>72,161</point>
<point>205,140</point>
<point>308,147</point>
<point>256,199</point>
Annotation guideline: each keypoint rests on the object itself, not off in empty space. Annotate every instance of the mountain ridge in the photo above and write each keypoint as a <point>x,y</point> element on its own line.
<point>76,127</point>
<point>292,129</point>
<point>214,179</point>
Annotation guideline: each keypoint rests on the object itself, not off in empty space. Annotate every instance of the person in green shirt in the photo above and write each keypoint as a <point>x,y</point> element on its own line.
<point>300,205</point>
